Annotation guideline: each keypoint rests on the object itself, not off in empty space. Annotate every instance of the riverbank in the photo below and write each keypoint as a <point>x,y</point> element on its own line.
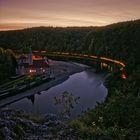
<point>60,70</point>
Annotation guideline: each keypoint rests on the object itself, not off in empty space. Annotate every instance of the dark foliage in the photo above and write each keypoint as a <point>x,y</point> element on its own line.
<point>119,116</point>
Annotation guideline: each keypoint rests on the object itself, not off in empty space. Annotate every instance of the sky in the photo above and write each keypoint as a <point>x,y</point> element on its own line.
<point>18,14</point>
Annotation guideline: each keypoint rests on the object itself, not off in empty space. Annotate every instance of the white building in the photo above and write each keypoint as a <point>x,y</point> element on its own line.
<point>30,64</point>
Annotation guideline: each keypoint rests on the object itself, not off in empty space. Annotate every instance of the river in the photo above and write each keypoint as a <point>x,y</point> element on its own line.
<point>87,85</point>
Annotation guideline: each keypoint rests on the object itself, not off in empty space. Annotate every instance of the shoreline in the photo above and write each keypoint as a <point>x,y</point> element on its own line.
<point>62,71</point>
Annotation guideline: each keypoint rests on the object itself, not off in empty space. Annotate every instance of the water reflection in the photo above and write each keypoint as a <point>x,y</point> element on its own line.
<point>32,98</point>
<point>87,85</point>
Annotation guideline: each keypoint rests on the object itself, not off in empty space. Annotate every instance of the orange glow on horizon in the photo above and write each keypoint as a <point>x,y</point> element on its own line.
<point>18,14</point>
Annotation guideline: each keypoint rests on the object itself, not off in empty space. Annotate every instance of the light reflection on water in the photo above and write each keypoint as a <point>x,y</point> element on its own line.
<point>87,85</point>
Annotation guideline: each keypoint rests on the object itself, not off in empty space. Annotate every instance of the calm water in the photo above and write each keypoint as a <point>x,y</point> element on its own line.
<point>87,85</point>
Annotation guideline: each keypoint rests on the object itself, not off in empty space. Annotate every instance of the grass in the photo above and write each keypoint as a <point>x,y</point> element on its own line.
<point>27,81</point>
<point>7,84</point>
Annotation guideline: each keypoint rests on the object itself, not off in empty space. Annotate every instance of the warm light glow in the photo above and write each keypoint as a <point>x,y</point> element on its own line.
<point>104,64</point>
<point>32,70</point>
<point>36,57</point>
<point>18,14</point>
<point>123,76</point>
<point>35,51</point>
<point>93,56</point>
<point>65,53</point>
<point>43,51</point>
<point>115,61</point>
<point>101,58</point>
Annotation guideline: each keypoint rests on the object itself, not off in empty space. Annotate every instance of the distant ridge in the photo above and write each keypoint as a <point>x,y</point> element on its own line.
<point>55,27</point>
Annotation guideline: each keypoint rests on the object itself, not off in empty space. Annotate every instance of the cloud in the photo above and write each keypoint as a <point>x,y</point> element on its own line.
<point>68,12</point>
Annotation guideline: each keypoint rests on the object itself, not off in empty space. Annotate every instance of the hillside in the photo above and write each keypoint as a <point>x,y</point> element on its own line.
<point>50,38</point>
<point>119,41</point>
<point>119,116</point>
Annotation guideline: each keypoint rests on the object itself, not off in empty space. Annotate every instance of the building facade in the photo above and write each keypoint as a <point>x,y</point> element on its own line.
<point>30,64</point>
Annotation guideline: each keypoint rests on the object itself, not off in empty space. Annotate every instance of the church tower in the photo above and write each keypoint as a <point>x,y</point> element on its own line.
<point>30,56</point>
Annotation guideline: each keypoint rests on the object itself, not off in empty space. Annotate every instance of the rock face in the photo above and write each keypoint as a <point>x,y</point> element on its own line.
<point>18,125</point>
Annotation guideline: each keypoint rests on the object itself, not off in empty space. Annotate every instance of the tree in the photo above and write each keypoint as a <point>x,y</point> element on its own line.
<point>7,63</point>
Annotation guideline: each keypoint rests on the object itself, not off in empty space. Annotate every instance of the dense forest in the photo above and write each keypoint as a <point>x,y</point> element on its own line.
<point>119,116</point>
<point>7,64</point>
<point>119,41</point>
<point>46,38</point>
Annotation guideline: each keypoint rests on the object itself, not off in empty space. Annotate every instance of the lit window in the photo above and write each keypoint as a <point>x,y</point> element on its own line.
<point>123,76</point>
<point>104,65</point>
<point>32,70</point>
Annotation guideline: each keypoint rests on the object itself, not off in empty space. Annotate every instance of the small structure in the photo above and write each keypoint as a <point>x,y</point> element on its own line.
<point>31,64</point>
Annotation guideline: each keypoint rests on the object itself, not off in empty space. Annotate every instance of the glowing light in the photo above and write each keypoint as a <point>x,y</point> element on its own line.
<point>123,76</point>
<point>43,51</point>
<point>35,57</point>
<point>93,56</point>
<point>115,61</point>
<point>85,55</point>
<point>65,53</point>
<point>35,51</point>
<point>104,64</point>
<point>32,70</point>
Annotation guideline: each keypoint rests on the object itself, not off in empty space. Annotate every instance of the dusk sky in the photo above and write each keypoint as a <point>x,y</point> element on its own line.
<point>17,14</point>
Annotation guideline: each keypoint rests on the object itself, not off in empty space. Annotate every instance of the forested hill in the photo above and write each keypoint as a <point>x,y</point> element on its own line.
<point>119,41</point>
<point>50,38</point>
<point>119,116</point>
